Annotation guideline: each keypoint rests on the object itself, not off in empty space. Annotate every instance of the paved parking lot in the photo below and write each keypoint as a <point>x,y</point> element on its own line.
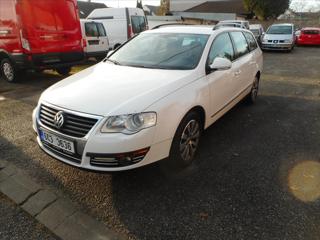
<point>256,176</point>
<point>15,223</point>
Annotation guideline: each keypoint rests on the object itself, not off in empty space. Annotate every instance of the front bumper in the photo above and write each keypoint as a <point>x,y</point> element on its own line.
<point>100,145</point>
<point>276,46</point>
<point>48,60</point>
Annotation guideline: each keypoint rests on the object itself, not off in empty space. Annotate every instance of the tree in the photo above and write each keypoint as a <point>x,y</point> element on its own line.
<point>164,7</point>
<point>139,4</point>
<point>266,8</point>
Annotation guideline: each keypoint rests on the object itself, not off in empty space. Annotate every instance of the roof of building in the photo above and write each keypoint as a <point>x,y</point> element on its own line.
<point>152,9</point>
<point>221,6</point>
<point>85,8</point>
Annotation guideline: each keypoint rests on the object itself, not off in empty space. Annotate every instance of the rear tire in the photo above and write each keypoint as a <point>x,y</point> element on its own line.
<point>253,95</point>
<point>8,71</point>
<point>185,142</point>
<point>64,71</point>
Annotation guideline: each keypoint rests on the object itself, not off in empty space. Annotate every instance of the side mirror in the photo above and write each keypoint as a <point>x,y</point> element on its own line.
<point>220,64</point>
<point>110,53</point>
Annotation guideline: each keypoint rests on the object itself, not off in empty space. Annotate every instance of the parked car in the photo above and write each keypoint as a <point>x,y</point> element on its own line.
<point>150,99</point>
<point>39,34</point>
<point>121,23</point>
<point>258,31</point>
<point>244,24</point>
<point>309,36</point>
<point>228,25</point>
<point>96,43</point>
<point>279,37</point>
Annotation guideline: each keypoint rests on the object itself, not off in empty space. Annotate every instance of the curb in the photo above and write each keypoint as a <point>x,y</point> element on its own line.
<point>57,213</point>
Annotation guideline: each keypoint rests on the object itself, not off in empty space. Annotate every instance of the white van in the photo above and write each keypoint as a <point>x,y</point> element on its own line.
<point>95,39</point>
<point>244,24</point>
<point>121,23</point>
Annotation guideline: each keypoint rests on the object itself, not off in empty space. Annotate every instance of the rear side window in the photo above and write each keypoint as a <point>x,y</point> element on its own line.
<point>221,47</point>
<point>138,24</point>
<point>240,43</point>
<point>311,32</point>
<point>101,29</point>
<point>91,29</point>
<point>251,40</point>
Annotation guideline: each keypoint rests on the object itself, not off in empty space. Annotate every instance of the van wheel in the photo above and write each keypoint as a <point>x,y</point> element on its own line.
<point>8,71</point>
<point>64,71</point>
<point>253,95</point>
<point>185,142</point>
<point>116,46</point>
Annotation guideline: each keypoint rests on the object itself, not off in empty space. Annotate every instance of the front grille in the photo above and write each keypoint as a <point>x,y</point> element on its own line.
<point>74,125</point>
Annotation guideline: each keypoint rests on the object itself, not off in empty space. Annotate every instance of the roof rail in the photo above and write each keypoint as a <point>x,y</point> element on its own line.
<point>231,25</point>
<point>171,24</point>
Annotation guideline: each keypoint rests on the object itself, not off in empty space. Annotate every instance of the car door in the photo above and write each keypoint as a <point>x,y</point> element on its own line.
<point>104,42</point>
<point>254,56</point>
<point>221,83</point>
<point>92,37</point>
<point>242,65</point>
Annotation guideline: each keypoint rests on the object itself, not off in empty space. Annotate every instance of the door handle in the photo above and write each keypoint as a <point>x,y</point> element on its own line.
<point>237,73</point>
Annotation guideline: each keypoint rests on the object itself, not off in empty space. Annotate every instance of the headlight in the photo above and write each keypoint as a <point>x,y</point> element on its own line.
<point>288,41</point>
<point>129,124</point>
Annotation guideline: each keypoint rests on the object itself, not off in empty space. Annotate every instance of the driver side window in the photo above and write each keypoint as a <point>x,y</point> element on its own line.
<point>221,47</point>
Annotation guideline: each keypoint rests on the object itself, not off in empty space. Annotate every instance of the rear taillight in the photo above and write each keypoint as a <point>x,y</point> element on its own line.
<point>130,31</point>
<point>84,43</point>
<point>24,42</point>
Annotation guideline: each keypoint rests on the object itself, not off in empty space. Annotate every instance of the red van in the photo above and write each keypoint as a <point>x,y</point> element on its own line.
<point>39,34</point>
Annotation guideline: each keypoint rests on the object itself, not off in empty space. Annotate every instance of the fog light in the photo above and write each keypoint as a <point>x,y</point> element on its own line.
<point>117,160</point>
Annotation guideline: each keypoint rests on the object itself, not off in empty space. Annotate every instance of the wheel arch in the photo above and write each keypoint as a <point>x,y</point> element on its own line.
<point>258,74</point>
<point>202,113</point>
<point>4,54</point>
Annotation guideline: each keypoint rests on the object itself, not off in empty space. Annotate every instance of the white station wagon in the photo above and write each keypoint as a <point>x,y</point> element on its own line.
<point>150,99</point>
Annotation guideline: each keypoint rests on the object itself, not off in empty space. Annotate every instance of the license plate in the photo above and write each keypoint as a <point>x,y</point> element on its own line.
<point>56,141</point>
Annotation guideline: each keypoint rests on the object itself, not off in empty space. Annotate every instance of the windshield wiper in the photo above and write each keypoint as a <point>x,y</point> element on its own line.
<point>113,61</point>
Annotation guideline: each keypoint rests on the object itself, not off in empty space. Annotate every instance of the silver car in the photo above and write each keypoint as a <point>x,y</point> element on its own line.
<point>279,37</point>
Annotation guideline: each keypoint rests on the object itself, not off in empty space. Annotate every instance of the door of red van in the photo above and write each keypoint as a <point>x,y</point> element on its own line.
<point>9,32</point>
<point>50,26</point>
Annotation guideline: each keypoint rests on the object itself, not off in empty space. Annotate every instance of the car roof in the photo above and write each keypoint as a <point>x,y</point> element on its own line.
<point>194,29</point>
<point>283,24</point>
<point>226,21</point>
<point>255,25</point>
<point>310,28</point>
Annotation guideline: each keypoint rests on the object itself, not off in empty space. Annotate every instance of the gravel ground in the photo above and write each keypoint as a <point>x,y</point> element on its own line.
<point>15,224</point>
<point>256,175</point>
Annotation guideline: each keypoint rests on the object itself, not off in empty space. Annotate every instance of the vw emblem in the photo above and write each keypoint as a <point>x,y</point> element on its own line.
<point>59,120</point>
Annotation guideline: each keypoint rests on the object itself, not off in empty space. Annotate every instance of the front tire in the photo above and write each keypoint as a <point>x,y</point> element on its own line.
<point>8,71</point>
<point>64,71</point>
<point>185,142</point>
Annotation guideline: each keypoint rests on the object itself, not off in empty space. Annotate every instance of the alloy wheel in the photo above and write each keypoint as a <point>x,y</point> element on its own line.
<point>189,140</point>
<point>8,71</point>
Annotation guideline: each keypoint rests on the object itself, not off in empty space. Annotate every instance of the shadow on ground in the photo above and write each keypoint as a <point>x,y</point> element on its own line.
<point>238,187</point>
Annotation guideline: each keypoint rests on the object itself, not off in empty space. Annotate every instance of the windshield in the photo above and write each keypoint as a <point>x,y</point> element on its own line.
<point>162,51</point>
<point>280,30</point>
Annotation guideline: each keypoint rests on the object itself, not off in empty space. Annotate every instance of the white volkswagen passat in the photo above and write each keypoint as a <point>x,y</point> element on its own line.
<point>150,100</point>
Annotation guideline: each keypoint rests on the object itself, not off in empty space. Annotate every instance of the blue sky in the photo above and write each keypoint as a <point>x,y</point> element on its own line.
<point>305,5</point>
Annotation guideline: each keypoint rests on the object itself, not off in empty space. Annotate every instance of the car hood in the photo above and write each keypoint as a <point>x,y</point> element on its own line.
<point>278,36</point>
<point>107,89</point>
